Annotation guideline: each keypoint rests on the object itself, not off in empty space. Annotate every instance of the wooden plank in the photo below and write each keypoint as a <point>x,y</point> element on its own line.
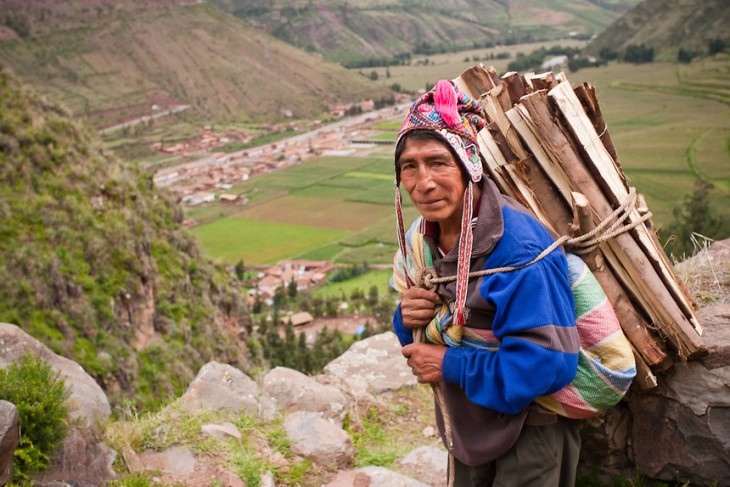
<point>664,310</point>
<point>474,82</point>
<point>614,187</point>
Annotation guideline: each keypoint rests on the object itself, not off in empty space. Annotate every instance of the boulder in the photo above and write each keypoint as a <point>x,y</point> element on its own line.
<point>9,437</point>
<point>374,365</point>
<point>428,464</point>
<point>314,437</point>
<point>682,430</point>
<point>221,386</point>
<point>294,391</point>
<point>83,458</point>
<point>176,460</point>
<point>373,477</point>
<point>88,402</point>
<point>221,431</point>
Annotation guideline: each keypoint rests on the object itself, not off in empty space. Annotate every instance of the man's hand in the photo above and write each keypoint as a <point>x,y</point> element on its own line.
<point>425,361</point>
<point>417,307</point>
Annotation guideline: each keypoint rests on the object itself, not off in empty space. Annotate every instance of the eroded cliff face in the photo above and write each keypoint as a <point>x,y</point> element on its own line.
<point>94,261</point>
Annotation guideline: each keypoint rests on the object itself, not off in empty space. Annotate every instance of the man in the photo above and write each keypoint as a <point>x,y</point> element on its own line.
<point>494,342</point>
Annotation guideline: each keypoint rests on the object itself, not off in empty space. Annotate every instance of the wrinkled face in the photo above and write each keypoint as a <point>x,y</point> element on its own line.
<point>433,180</point>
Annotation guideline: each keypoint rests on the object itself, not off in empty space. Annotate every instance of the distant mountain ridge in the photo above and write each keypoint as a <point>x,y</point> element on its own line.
<point>347,31</point>
<point>120,54</point>
<point>667,26</point>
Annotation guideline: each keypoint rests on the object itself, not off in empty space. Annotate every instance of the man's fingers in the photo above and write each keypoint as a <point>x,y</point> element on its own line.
<point>420,293</point>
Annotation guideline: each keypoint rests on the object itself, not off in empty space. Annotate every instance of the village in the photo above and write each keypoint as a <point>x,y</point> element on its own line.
<point>214,171</point>
<point>211,175</point>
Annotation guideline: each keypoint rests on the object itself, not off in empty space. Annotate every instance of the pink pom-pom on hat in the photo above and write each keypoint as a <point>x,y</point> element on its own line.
<point>446,103</point>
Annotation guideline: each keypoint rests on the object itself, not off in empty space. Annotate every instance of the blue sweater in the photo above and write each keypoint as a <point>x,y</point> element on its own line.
<point>533,320</point>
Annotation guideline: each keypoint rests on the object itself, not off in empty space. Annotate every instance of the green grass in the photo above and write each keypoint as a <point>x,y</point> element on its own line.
<point>259,242</point>
<point>378,278</point>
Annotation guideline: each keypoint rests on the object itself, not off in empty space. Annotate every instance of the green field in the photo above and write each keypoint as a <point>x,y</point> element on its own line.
<point>378,278</point>
<point>258,242</point>
<point>338,209</point>
<point>670,124</point>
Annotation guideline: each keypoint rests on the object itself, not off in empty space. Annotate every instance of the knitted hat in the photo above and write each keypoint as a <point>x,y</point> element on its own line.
<point>453,116</point>
<point>457,119</point>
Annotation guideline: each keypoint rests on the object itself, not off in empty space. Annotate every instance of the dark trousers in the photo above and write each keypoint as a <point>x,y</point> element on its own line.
<point>543,456</point>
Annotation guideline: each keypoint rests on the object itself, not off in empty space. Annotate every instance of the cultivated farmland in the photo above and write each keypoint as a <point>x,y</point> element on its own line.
<point>670,124</point>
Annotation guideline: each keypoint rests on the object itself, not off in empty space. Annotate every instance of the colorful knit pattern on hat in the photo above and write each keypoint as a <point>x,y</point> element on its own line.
<point>456,117</point>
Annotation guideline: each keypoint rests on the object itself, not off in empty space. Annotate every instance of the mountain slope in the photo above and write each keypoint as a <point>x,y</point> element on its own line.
<point>668,25</point>
<point>191,55</point>
<point>348,31</point>
<point>94,263</point>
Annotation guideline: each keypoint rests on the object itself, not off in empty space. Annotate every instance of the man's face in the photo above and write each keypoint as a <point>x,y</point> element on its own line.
<point>433,180</point>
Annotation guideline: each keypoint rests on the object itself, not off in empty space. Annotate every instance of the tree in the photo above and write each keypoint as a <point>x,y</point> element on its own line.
<point>240,270</point>
<point>638,54</point>
<point>715,45</point>
<point>292,288</point>
<point>694,216</point>
<point>373,295</point>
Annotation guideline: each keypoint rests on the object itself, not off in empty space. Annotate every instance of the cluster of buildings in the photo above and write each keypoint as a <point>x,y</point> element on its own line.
<point>208,177</point>
<point>305,273</point>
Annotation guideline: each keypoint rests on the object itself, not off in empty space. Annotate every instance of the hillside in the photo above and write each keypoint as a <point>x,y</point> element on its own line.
<point>98,60</point>
<point>352,32</point>
<point>93,261</point>
<point>667,26</point>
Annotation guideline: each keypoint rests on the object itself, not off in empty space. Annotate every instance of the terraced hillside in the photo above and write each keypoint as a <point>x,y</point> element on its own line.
<point>111,58</point>
<point>351,32</point>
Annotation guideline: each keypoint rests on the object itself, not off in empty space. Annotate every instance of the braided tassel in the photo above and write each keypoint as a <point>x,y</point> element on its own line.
<point>465,246</point>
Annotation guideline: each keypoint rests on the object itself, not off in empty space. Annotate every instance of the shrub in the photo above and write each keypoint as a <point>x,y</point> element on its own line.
<point>40,396</point>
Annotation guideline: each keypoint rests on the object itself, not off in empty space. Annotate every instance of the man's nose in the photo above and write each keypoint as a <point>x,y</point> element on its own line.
<point>425,178</point>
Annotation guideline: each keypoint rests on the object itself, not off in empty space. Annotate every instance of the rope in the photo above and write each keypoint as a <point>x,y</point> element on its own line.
<point>581,245</point>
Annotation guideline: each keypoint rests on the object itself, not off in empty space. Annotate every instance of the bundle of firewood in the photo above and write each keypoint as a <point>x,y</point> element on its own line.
<point>546,145</point>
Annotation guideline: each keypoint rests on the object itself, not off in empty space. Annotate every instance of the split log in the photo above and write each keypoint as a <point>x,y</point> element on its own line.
<point>587,96</point>
<point>475,82</point>
<point>632,323</point>
<point>599,158</point>
<point>661,306</point>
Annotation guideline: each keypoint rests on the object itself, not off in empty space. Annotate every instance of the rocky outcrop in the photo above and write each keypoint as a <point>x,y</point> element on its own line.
<point>88,403</point>
<point>680,430</point>
<point>220,386</point>
<point>374,477</point>
<point>9,437</point>
<point>315,438</point>
<point>374,365</point>
<point>83,457</point>
<point>294,391</point>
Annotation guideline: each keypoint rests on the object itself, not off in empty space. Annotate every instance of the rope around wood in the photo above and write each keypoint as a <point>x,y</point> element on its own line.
<point>581,245</point>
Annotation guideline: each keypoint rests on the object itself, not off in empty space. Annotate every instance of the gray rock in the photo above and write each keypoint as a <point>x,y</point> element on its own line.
<point>373,477</point>
<point>428,464</point>
<point>682,431</point>
<point>314,437</point>
<point>83,458</point>
<point>294,391</point>
<point>9,437</point>
<point>221,386</point>
<point>715,319</point>
<point>88,403</point>
<point>374,364</point>
<point>221,431</point>
<point>177,460</point>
